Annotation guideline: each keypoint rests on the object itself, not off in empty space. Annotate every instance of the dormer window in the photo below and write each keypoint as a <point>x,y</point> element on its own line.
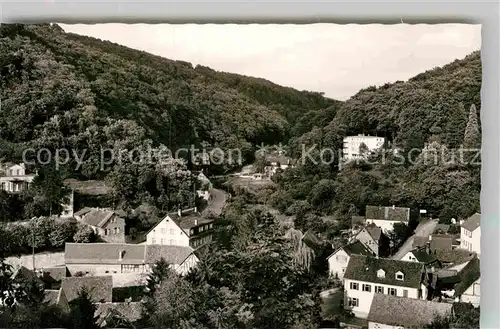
<point>381,274</point>
<point>400,276</point>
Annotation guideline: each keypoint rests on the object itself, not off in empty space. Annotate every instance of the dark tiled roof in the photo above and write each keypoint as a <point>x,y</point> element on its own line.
<point>440,241</point>
<point>441,228</point>
<point>374,231</point>
<point>129,311</point>
<point>172,254</point>
<point>468,275</point>
<point>454,256</point>
<point>363,268</point>
<point>109,253</point>
<point>423,257</point>
<point>191,221</point>
<point>100,288</point>
<point>357,248</point>
<point>405,312</point>
<point>98,217</point>
<point>388,213</point>
<point>55,273</point>
<point>103,253</point>
<point>419,241</point>
<point>472,223</point>
<point>310,239</point>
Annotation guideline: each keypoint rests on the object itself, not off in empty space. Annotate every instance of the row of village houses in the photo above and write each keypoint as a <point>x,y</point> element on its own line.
<point>440,273</point>
<point>441,269</point>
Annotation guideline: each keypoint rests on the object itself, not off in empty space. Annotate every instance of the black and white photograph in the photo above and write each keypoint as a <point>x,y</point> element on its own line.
<point>240,176</point>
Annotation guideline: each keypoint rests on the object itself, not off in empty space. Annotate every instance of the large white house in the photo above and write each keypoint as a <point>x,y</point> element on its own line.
<point>338,260</point>
<point>470,234</point>
<point>367,276</point>
<point>16,179</point>
<point>353,148</point>
<point>386,217</point>
<point>184,228</point>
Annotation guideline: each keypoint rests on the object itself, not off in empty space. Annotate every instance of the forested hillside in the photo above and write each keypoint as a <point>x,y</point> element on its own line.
<point>438,109</point>
<point>56,86</point>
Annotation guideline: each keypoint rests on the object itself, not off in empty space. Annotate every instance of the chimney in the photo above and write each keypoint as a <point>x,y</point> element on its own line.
<point>179,212</point>
<point>196,222</point>
<point>195,209</point>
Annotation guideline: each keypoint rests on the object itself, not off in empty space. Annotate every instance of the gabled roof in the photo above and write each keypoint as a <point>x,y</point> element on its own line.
<point>98,217</point>
<point>354,248</point>
<point>190,218</point>
<point>132,254</point>
<point>422,256</point>
<point>468,275</point>
<point>441,241</point>
<point>363,268</point>
<point>100,288</point>
<point>454,256</point>
<point>374,231</point>
<point>472,223</point>
<point>405,312</point>
<point>388,213</point>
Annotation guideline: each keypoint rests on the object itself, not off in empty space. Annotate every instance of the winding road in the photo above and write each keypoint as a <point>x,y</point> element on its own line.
<point>216,203</point>
<point>423,229</point>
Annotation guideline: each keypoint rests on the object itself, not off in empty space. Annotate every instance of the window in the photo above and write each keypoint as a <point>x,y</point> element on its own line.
<point>172,232</point>
<point>400,276</point>
<point>405,293</point>
<point>353,302</point>
<point>367,288</point>
<point>172,242</point>
<point>354,286</point>
<point>117,230</point>
<point>153,241</point>
<point>161,241</point>
<point>342,258</point>
<point>106,231</point>
<point>163,231</point>
<point>392,292</point>
<point>379,289</point>
<point>211,225</point>
<point>380,273</point>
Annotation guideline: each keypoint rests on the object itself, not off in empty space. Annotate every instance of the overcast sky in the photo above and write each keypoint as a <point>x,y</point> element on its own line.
<point>335,59</point>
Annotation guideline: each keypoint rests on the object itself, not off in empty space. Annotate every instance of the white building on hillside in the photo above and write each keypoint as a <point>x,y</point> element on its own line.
<point>367,276</point>
<point>184,228</point>
<point>470,234</point>
<point>352,146</point>
<point>16,179</point>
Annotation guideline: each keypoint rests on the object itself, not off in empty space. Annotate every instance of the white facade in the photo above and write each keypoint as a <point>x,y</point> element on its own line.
<point>385,225</point>
<point>471,240</point>
<point>168,233</point>
<point>15,179</point>
<point>472,294</point>
<point>337,263</point>
<point>409,257</point>
<point>352,144</point>
<point>359,295</point>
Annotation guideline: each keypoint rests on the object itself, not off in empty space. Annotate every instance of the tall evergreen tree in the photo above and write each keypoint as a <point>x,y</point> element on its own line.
<point>83,311</point>
<point>472,136</point>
